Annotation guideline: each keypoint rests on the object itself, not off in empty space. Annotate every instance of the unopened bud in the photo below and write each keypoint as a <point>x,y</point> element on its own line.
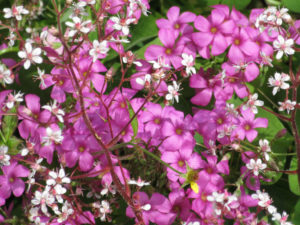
<point>110,73</point>
<point>281,133</point>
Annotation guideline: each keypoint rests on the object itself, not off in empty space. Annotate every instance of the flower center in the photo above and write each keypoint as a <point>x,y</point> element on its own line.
<point>123,105</point>
<point>220,121</point>
<point>203,197</point>
<point>180,163</point>
<point>237,42</point>
<point>178,131</point>
<point>81,149</point>
<point>177,26</point>
<point>247,127</point>
<point>213,30</point>
<point>157,121</point>
<point>168,51</point>
<point>192,176</point>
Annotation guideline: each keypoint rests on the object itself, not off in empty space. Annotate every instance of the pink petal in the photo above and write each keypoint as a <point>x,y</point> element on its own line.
<point>173,13</point>
<point>202,98</point>
<point>202,24</point>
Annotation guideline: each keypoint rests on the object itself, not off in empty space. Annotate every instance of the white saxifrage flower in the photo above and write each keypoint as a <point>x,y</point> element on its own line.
<point>99,48</point>
<point>173,92</point>
<point>59,113</point>
<point>283,46</point>
<point>104,210</point>
<point>78,26</point>
<point>41,77</point>
<point>265,148</point>
<point>188,62</point>
<point>15,11</point>
<point>52,136</point>
<point>135,5</point>
<point>282,219</point>
<point>43,199</point>
<point>5,75</point>
<point>144,82</point>
<point>256,166</point>
<point>288,105</point>
<point>12,99</point>
<point>58,178</point>
<point>66,211</point>
<point>30,55</point>
<point>278,82</point>
<point>252,103</point>
<point>139,182</point>
<point>4,158</point>
<point>122,24</point>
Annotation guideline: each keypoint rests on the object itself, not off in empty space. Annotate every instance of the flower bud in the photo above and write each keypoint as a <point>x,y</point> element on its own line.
<point>280,133</point>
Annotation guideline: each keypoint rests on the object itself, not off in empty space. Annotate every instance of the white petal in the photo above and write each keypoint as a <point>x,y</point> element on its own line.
<point>27,64</point>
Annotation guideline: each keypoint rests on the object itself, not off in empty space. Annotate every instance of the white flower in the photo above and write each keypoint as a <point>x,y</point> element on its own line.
<point>144,82</point>
<point>104,209</point>
<point>265,59</point>
<point>12,99</point>
<point>78,9</point>
<point>252,103</point>
<point>15,11</point>
<point>281,15</point>
<point>173,92</point>
<point>41,77</point>
<point>11,38</point>
<point>226,131</point>
<point>66,211</point>
<point>283,46</point>
<point>58,178</point>
<point>123,40</point>
<point>5,75</point>
<point>265,148</point>
<point>52,136</point>
<point>59,113</point>
<point>137,4</point>
<point>256,166</point>
<point>30,55</point>
<point>188,62</point>
<point>139,182</point>
<point>281,218</point>
<point>98,48</point>
<point>78,26</point>
<point>122,24</point>
<point>278,82</point>
<point>90,2</point>
<point>4,158</point>
<point>216,197</point>
<point>43,199</point>
<point>160,63</point>
<point>263,198</point>
<point>288,105</point>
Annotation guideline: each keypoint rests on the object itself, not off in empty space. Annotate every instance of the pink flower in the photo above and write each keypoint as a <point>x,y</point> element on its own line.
<point>212,32</point>
<point>10,180</point>
<point>176,22</point>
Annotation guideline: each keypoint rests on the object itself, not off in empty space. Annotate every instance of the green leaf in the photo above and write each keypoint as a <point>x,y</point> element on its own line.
<point>292,5</point>
<point>293,178</point>
<point>9,125</point>
<point>66,15</point>
<point>134,122</point>
<point>296,215</point>
<point>140,53</point>
<point>238,4</point>
<point>13,144</point>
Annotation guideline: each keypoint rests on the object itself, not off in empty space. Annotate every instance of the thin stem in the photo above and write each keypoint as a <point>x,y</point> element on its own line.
<point>263,94</point>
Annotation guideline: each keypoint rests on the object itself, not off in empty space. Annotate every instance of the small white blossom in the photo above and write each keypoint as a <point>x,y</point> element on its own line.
<point>12,37</point>
<point>282,219</point>
<point>98,48</point>
<point>265,59</point>
<point>104,210</point>
<point>52,136</point>
<point>173,92</point>
<point>188,62</point>
<point>5,75</point>
<point>78,9</point>
<point>252,103</point>
<point>59,113</point>
<point>43,199</point>
<point>160,63</point>
<point>58,178</point>
<point>30,55</point>
<point>137,4</point>
<point>41,77</point>
<point>12,99</point>
<point>283,46</point>
<point>15,11</point>
<point>144,82</point>
<point>90,2</point>
<point>264,146</point>
<point>278,82</point>
<point>263,198</point>
<point>123,40</point>
<point>139,182</point>
<point>288,105</point>
<point>122,24</point>
<point>78,26</point>
<point>4,158</point>
<point>66,211</point>
<point>256,166</point>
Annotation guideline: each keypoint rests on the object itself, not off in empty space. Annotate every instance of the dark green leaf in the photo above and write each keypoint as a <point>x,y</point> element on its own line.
<point>9,125</point>
<point>238,4</point>
<point>293,178</point>
<point>292,5</point>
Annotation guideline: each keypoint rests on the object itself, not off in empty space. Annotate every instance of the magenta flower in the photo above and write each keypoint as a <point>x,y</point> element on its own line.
<point>157,209</point>
<point>10,180</point>
<point>180,204</point>
<point>171,50</point>
<point>248,124</point>
<point>176,22</point>
<point>212,32</point>
<point>242,46</point>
